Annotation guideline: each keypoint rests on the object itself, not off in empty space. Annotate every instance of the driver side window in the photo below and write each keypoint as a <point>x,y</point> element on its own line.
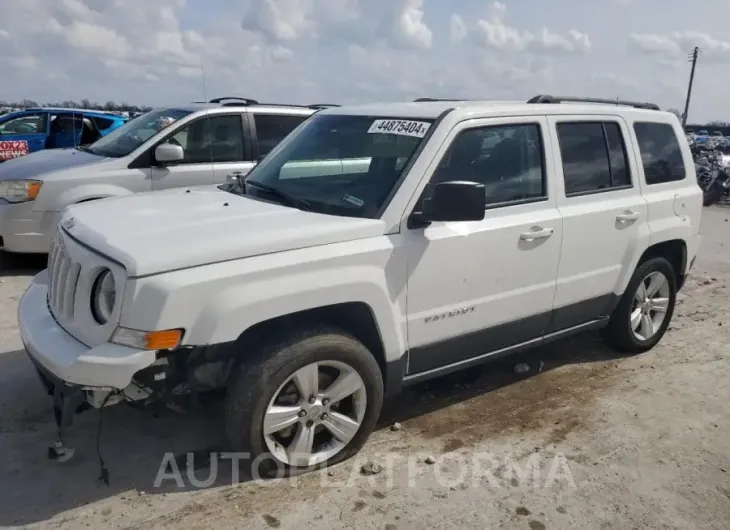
<point>211,139</point>
<point>507,159</point>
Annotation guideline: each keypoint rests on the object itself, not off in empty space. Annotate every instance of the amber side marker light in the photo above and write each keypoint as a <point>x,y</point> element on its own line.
<point>167,339</point>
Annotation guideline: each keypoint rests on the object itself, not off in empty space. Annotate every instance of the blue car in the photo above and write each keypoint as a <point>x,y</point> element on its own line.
<point>31,130</point>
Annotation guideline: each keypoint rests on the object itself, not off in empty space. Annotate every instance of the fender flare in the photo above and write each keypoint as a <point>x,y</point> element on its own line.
<point>228,314</point>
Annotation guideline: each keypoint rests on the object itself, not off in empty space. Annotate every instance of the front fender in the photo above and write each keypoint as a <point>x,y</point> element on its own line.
<point>84,192</point>
<point>225,316</point>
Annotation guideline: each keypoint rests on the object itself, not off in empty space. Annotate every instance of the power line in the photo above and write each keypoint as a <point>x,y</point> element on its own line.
<point>694,54</point>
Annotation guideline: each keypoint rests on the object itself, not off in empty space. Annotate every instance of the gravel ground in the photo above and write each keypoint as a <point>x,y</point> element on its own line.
<point>584,439</point>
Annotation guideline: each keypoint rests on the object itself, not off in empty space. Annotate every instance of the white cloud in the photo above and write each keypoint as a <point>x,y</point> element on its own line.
<point>679,44</point>
<point>399,22</point>
<point>96,39</point>
<point>492,31</point>
<point>458,28</point>
<point>150,52</point>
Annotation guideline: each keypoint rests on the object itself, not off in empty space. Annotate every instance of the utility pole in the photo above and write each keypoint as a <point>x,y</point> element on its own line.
<point>693,59</point>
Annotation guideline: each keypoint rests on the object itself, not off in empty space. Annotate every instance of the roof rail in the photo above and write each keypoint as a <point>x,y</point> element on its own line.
<point>238,102</point>
<point>241,101</point>
<point>426,100</point>
<point>571,99</point>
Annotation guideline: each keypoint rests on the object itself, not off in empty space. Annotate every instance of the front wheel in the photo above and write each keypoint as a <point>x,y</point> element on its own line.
<point>309,401</point>
<point>643,314</point>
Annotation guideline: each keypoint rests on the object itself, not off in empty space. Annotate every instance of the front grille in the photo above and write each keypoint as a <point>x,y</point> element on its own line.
<point>63,275</point>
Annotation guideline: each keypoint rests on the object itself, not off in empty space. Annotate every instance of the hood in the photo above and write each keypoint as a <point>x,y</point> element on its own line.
<point>35,165</point>
<point>154,232</point>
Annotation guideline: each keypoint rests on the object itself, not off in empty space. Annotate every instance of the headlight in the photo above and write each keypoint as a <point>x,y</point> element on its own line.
<point>103,297</point>
<point>19,190</point>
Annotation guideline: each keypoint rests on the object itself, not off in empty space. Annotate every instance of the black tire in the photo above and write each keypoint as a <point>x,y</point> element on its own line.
<point>266,369</point>
<point>618,334</point>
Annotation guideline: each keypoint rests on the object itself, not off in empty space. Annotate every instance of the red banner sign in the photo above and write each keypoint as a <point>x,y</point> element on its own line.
<point>13,149</point>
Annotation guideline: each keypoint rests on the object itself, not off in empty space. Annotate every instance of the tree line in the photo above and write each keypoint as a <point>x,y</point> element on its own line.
<point>109,106</point>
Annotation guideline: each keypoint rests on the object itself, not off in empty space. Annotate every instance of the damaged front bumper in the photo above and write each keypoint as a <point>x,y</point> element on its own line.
<point>100,369</point>
<point>76,376</point>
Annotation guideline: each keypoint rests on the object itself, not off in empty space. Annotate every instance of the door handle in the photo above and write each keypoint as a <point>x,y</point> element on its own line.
<point>537,233</point>
<point>627,216</point>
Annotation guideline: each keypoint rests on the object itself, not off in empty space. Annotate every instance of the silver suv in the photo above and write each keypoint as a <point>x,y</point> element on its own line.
<point>189,145</point>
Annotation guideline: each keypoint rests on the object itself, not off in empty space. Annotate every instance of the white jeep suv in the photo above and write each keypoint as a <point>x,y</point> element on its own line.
<point>376,246</point>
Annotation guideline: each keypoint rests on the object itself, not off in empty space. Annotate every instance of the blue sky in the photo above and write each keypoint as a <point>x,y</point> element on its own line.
<point>343,51</point>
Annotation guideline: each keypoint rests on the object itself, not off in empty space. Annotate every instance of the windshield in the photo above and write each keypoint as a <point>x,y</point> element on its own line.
<point>339,164</point>
<point>134,133</point>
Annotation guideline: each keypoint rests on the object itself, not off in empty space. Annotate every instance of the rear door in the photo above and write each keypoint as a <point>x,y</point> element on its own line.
<point>268,129</point>
<point>604,215</point>
<point>65,129</point>
<point>23,134</point>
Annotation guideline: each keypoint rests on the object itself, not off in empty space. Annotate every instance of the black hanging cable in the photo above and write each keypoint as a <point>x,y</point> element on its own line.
<point>104,472</point>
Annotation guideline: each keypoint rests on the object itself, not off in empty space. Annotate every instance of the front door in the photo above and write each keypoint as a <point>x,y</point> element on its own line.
<point>475,288</point>
<point>231,157</point>
<point>203,140</point>
<point>604,216</point>
<point>22,135</point>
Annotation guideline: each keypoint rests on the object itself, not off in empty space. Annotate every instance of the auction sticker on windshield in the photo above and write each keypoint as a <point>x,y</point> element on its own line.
<point>13,149</point>
<point>401,127</point>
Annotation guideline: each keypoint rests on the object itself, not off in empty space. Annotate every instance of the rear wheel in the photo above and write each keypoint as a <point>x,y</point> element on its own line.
<point>643,314</point>
<point>311,400</point>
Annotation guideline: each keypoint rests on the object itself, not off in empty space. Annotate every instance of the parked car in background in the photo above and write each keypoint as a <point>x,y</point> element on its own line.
<point>169,147</point>
<point>31,130</point>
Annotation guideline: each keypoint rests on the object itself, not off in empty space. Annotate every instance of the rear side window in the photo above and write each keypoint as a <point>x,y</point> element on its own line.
<point>66,123</point>
<point>594,157</point>
<point>661,155</point>
<point>273,128</point>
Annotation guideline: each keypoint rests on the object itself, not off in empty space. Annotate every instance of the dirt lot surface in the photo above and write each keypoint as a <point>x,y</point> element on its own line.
<point>584,440</point>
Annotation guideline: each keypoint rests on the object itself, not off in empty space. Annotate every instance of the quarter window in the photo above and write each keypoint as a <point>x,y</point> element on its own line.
<point>507,159</point>
<point>102,123</point>
<point>661,155</point>
<point>273,128</point>
<point>594,157</point>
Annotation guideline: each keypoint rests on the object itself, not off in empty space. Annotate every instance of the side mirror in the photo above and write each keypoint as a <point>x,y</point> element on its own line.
<point>455,201</point>
<point>260,158</point>
<point>169,154</point>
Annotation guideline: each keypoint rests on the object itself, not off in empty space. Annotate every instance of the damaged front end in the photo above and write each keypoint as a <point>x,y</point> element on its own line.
<point>174,381</point>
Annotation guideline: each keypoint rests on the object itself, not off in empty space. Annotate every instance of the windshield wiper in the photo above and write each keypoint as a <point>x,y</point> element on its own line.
<point>84,148</point>
<point>276,192</point>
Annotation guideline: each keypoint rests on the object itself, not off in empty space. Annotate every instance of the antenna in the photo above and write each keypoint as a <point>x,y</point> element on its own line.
<point>202,73</point>
<point>207,113</point>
